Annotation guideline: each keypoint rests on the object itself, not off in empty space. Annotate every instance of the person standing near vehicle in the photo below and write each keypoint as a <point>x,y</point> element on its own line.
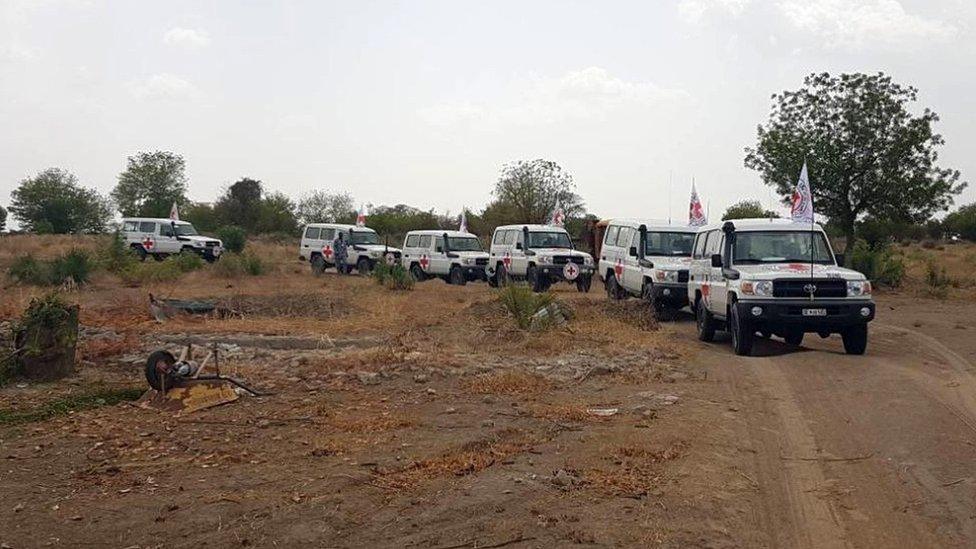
<point>340,249</point>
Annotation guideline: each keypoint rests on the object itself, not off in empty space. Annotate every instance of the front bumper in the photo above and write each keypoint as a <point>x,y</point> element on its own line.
<point>555,272</point>
<point>670,294</point>
<point>474,272</point>
<point>789,313</point>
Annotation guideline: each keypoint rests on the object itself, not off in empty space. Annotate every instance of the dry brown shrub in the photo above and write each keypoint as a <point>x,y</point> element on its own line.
<point>565,412</point>
<point>508,383</point>
<point>374,424</point>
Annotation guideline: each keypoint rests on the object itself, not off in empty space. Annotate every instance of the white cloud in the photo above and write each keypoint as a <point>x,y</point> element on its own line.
<point>164,86</point>
<point>857,24</point>
<point>187,38</point>
<point>693,11</point>
<point>587,94</point>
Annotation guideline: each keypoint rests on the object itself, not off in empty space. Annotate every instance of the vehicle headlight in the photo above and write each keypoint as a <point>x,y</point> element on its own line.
<point>466,261</point>
<point>763,288</point>
<point>587,260</point>
<point>857,288</point>
<point>667,276</point>
<point>375,254</point>
<point>545,259</point>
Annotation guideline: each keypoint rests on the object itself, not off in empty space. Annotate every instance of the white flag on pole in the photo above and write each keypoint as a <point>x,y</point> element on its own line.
<point>558,215</point>
<point>361,216</point>
<point>174,212</point>
<point>696,215</point>
<point>802,210</point>
<point>464,222</point>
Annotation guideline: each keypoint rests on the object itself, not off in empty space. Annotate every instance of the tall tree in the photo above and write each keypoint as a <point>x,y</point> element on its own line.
<point>325,207</point>
<point>276,214</point>
<point>201,215</point>
<point>532,188</point>
<point>53,202</point>
<point>866,153</point>
<point>746,209</point>
<point>241,204</point>
<point>150,184</point>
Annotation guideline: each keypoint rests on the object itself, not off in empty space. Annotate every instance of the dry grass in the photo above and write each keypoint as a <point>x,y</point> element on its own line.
<point>637,472</point>
<point>373,424</point>
<point>958,259</point>
<point>566,413</point>
<point>47,246</point>
<point>508,383</point>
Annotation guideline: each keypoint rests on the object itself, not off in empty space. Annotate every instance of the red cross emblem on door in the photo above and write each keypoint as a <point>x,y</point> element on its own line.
<point>424,262</point>
<point>618,267</point>
<point>327,251</point>
<point>148,243</point>
<point>507,260</point>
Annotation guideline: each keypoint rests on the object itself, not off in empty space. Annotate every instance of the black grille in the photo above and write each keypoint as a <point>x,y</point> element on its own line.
<point>211,243</point>
<point>801,288</point>
<point>481,261</point>
<point>564,259</point>
<point>683,275</point>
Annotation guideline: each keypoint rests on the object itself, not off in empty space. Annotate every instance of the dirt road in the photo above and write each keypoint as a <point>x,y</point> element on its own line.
<point>437,424</point>
<point>873,451</point>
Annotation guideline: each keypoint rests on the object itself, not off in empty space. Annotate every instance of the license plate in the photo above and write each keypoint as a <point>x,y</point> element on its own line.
<point>814,312</point>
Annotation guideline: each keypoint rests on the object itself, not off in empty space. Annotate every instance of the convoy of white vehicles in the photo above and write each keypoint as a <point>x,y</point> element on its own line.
<point>363,247</point>
<point>538,254</point>
<point>160,237</point>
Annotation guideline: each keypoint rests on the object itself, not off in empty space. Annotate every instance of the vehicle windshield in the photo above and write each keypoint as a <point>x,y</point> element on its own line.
<point>552,239</point>
<point>364,237</point>
<point>185,229</point>
<point>781,247</point>
<point>463,244</point>
<point>669,244</point>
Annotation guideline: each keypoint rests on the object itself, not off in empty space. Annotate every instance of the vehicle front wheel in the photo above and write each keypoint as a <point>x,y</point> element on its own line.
<point>140,252</point>
<point>363,266</point>
<point>417,273</point>
<point>704,322</point>
<point>614,291</point>
<point>457,276</point>
<point>855,339</point>
<point>742,333</point>
<point>502,277</point>
<point>318,265</point>
<point>535,280</point>
<point>583,284</point>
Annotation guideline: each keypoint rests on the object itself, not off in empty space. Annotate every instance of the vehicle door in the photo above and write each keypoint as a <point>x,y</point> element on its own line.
<point>410,250</point>
<point>131,231</point>
<point>168,243</point>
<point>520,261</point>
<point>423,253</point>
<point>696,271</point>
<point>717,286</point>
<point>608,252</point>
<point>630,275</point>
<point>148,237</point>
<point>309,242</point>
<point>440,263</point>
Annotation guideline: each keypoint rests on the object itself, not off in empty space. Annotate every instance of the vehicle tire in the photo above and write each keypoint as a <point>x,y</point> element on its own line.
<point>417,273</point>
<point>742,333</point>
<point>364,267</point>
<point>159,257</point>
<point>318,265</point>
<point>457,276</point>
<point>583,284</point>
<point>794,338</point>
<point>157,362</point>
<point>502,278</point>
<point>140,252</point>
<point>855,339</point>
<point>704,322</point>
<point>534,279</point>
<point>614,291</point>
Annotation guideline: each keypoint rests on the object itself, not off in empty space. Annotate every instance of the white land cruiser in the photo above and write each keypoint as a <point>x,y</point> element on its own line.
<point>362,252</point>
<point>453,256</point>
<point>538,254</point>
<point>775,277</point>
<point>647,259</point>
<point>159,237</point>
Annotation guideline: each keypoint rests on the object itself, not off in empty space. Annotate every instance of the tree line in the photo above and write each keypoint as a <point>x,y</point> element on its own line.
<point>873,166</point>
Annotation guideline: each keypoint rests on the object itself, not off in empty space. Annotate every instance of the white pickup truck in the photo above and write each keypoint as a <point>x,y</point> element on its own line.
<point>775,277</point>
<point>362,252</point>
<point>453,256</point>
<point>538,254</point>
<point>159,237</point>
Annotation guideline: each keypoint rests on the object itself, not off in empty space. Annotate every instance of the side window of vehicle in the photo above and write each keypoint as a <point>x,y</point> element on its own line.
<point>712,245</point>
<point>439,244</point>
<point>510,237</point>
<point>699,246</point>
<point>147,227</point>
<point>166,230</point>
<point>413,240</point>
<point>611,237</point>
<point>499,237</point>
<point>327,234</point>
<point>635,241</point>
<point>623,239</point>
<point>130,226</point>
<point>425,241</point>
<point>313,233</point>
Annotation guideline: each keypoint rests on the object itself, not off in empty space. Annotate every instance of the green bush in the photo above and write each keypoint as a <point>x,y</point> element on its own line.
<point>381,273</point>
<point>151,271</point>
<point>117,255</point>
<point>233,237</point>
<point>521,302</point>
<point>234,265</point>
<point>187,261</point>
<point>937,280</point>
<point>75,266</point>
<point>399,278</point>
<point>879,265</point>
<point>28,270</point>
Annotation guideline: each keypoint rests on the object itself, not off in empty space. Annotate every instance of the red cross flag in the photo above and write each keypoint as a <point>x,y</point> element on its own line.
<point>174,212</point>
<point>802,210</point>
<point>361,216</point>
<point>558,215</point>
<point>464,222</point>
<point>696,215</point>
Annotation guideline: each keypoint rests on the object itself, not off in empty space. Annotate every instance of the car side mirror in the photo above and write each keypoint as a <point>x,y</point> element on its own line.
<point>840,259</point>
<point>518,245</point>
<point>633,251</point>
<point>717,260</point>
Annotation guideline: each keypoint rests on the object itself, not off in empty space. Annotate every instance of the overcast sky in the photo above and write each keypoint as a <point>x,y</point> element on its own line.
<point>423,102</point>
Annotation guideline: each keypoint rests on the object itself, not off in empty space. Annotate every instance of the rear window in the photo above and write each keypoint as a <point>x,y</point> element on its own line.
<point>327,234</point>
<point>413,240</point>
<point>699,246</point>
<point>610,239</point>
<point>130,226</point>
<point>147,227</point>
<point>623,239</point>
<point>425,241</point>
<point>313,233</point>
<point>510,236</point>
